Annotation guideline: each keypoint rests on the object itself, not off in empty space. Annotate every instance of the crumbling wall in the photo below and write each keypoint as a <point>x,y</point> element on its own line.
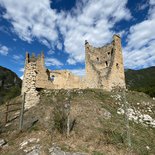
<point>64,79</point>
<point>116,78</point>
<point>36,76</point>
<point>43,75</point>
<point>104,65</point>
<point>98,62</point>
<point>29,81</point>
<point>104,70</point>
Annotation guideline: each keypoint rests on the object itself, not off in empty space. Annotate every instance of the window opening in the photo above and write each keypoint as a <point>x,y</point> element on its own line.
<point>52,78</point>
<point>117,65</point>
<point>106,63</point>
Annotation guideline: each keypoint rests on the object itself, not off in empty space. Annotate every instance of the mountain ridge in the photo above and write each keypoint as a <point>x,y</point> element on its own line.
<point>142,80</point>
<point>10,84</point>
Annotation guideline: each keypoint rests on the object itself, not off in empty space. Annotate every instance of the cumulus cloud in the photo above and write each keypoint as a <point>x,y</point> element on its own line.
<point>79,72</point>
<point>52,62</point>
<point>140,49</point>
<point>17,57</point>
<point>71,61</point>
<point>4,50</point>
<point>31,19</point>
<point>88,20</point>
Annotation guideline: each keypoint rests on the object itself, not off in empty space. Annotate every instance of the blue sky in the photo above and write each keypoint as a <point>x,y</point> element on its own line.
<point>60,27</point>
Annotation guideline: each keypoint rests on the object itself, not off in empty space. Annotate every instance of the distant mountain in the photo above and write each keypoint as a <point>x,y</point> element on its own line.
<point>141,80</point>
<point>10,84</point>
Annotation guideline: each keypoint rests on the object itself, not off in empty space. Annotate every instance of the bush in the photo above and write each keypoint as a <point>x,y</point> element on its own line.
<point>60,118</point>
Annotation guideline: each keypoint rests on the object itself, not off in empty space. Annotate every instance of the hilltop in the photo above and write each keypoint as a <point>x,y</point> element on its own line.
<point>97,119</point>
<point>97,124</point>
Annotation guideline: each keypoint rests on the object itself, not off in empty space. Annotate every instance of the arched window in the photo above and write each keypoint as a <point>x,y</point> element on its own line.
<point>97,59</point>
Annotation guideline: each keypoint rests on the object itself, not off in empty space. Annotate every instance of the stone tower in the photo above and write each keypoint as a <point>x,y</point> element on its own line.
<point>34,76</point>
<point>104,65</point>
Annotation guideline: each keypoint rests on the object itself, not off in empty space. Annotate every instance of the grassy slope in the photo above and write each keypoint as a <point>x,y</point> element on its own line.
<point>98,128</point>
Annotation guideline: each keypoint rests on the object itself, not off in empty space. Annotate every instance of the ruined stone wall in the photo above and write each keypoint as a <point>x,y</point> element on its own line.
<point>42,76</point>
<point>36,76</point>
<point>29,83</point>
<point>66,80</point>
<point>104,65</point>
<point>104,70</point>
<point>116,78</point>
<point>98,62</point>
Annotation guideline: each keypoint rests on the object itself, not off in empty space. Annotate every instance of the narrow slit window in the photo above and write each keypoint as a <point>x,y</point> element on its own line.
<point>106,63</point>
<point>97,59</point>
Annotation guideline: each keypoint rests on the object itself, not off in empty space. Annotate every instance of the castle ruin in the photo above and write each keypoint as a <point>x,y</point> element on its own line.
<point>104,70</point>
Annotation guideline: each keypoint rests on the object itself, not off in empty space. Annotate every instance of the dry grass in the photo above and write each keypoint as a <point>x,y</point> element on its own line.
<point>93,132</point>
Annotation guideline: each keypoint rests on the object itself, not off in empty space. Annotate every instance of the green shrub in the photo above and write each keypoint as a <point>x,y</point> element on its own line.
<point>60,118</point>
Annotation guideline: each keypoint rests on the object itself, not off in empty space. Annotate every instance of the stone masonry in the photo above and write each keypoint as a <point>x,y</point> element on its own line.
<point>104,70</point>
<point>29,82</point>
<point>104,65</point>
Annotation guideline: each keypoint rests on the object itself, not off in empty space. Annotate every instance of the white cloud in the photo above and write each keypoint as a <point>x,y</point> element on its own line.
<point>3,50</point>
<point>17,57</point>
<point>92,21</point>
<point>21,69</point>
<point>59,46</point>
<point>142,5</point>
<point>71,61</point>
<point>140,49</point>
<point>50,52</point>
<point>79,72</point>
<point>31,19</point>
<point>53,62</point>
<point>89,20</point>
<point>22,77</point>
<point>152,2</point>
